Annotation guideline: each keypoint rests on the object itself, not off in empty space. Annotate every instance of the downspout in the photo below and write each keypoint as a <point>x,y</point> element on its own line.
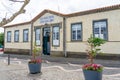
<point>31,43</point>
<point>64,37</point>
<point>4,39</point>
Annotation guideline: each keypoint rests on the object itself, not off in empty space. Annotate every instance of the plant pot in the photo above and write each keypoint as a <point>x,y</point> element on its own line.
<point>34,68</point>
<point>92,75</point>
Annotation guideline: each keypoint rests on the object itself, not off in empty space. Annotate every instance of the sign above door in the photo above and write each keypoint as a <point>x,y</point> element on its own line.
<point>46,19</point>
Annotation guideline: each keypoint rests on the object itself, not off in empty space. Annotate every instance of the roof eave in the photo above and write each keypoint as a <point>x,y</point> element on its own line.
<point>103,9</point>
<point>25,23</point>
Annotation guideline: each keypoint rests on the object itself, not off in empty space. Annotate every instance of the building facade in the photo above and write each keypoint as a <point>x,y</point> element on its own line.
<point>66,34</point>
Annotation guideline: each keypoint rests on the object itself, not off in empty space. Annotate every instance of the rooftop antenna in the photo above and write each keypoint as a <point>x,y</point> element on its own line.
<point>58,6</point>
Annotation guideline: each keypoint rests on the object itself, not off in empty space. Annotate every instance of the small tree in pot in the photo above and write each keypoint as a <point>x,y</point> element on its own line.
<point>35,63</point>
<point>91,70</point>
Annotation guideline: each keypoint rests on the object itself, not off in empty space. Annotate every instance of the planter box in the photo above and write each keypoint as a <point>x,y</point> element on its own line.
<point>34,68</point>
<point>92,75</point>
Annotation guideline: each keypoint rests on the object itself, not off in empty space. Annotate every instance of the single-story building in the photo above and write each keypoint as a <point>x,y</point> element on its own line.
<point>66,34</point>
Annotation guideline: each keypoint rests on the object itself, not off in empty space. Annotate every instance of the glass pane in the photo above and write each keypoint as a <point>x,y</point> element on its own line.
<point>46,31</point>
<point>16,35</point>
<point>97,35</point>
<point>8,36</point>
<point>76,31</point>
<point>73,27</point>
<point>73,35</point>
<point>100,29</point>
<point>78,27</point>
<point>103,30</point>
<point>78,35</point>
<point>37,34</point>
<point>25,35</point>
<point>56,35</point>
<point>53,35</point>
<point>96,30</point>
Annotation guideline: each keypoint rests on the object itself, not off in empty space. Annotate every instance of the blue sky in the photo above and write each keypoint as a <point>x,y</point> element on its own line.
<point>36,6</point>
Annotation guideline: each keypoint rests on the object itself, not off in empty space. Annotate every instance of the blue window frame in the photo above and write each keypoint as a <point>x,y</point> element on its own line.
<point>100,29</point>
<point>37,36</point>
<point>76,32</point>
<point>25,35</point>
<point>8,36</point>
<point>56,36</point>
<point>16,36</point>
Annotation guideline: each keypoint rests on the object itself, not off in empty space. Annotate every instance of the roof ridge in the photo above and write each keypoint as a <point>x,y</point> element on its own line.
<point>49,11</point>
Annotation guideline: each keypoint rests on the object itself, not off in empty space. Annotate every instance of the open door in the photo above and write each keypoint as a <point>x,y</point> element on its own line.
<point>46,41</point>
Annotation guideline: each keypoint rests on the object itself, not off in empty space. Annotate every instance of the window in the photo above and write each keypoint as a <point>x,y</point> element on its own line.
<point>76,31</point>
<point>25,35</point>
<point>37,36</point>
<point>16,35</point>
<point>9,36</point>
<point>100,29</point>
<point>56,35</point>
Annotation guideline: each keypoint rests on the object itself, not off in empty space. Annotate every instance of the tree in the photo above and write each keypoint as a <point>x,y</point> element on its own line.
<point>93,47</point>
<point>2,38</point>
<point>20,11</point>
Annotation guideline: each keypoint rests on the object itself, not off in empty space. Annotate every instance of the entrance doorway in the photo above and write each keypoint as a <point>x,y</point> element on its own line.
<point>46,41</point>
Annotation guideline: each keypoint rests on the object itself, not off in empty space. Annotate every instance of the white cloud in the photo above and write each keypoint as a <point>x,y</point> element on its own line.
<point>63,6</point>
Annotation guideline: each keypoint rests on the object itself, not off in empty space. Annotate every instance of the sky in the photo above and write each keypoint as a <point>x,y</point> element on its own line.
<point>7,8</point>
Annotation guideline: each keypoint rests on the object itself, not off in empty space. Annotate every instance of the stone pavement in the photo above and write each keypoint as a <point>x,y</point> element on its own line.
<point>54,68</point>
<point>107,63</point>
<point>68,69</point>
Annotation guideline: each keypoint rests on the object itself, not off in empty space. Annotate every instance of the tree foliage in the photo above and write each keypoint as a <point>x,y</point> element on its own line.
<point>20,11</point>
<point>36,51</point>
<point>94,44</point>
<point>2,38</point>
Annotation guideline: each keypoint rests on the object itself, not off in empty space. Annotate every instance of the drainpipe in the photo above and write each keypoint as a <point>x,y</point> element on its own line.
<point>4,39</point>
<point>31,43</point>
<point>64,37</point>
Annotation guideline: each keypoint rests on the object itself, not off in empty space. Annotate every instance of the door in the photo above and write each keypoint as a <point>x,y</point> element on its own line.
<point>46,41</point>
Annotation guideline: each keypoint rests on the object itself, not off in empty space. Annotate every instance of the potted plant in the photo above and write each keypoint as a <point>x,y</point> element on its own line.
<point>35,63</point>
<point>93,71</point>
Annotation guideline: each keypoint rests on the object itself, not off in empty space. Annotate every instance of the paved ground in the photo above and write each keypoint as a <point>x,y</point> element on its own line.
<point>53,68</point>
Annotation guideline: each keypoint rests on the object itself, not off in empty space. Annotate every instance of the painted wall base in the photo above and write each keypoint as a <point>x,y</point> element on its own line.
<point>61,54</point>
<point>106,56</point>
<point>57,53</point>
<point>17,51</point>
